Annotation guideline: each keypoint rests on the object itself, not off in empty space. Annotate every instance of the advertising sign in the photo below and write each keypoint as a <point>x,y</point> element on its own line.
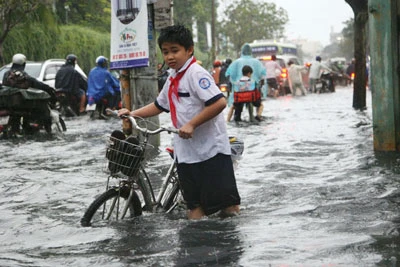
<point>129,34</point>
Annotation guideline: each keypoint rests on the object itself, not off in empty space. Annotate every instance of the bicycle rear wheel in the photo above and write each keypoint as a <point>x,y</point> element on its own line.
<point>109,207</point>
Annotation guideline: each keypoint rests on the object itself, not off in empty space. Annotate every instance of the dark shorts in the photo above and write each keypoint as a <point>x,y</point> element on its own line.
<point>272,83</point>
<point>210,184</point>
<point>257,103</point>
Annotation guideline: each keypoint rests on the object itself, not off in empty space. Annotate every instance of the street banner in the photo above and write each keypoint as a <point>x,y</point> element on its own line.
<point>129,34</point>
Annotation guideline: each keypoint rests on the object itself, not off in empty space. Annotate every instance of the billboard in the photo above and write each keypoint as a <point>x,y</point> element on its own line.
<point>129,34</point>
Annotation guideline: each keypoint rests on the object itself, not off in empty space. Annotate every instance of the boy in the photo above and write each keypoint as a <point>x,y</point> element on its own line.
<point>202,147</point>
<point>247,84</point>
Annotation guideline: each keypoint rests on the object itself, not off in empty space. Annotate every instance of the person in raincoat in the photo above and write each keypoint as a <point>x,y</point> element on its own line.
<point>234,72</point>
<point>102,84</point>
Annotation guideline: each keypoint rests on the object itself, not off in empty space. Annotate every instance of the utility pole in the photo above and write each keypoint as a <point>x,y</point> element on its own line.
<point>213,37</point>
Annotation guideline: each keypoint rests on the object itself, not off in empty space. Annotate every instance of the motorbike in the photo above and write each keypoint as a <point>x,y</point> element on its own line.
<point>26,112</point>
<point>325,83</point>
<point>67,104</point>
<point>224,89</point>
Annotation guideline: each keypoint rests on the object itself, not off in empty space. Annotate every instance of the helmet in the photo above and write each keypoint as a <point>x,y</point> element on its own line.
<point>318,58</point>
<point>228,61</point>
<point>71,58</point>
<point>217,63</point>
<point>101,61</point>
<point>19,59</point>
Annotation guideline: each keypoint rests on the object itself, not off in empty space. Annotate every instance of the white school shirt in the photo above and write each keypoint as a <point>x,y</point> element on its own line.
<point>196,89</point>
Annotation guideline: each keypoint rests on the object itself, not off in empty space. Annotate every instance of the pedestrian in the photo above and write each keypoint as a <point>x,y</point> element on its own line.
<point>162,75</point>
<point>69,80</point>
<point>234,72</point>
<point>295,78</point>
<point>350,71</point>
<point>247,84</point>
<point>102,84</point>
<point>272,68</point>
<point>216,70</point>
<point>202,148</point>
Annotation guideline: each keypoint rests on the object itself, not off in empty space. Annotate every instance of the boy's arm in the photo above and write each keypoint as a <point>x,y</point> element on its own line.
<point>209,112</point>
<point>143,112</point>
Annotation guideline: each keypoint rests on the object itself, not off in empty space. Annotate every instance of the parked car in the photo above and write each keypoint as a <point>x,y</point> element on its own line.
<point>43,71</point>
<point>282,77</point>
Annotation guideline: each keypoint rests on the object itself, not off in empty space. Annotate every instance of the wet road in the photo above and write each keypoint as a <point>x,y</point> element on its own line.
<point>313,192</point>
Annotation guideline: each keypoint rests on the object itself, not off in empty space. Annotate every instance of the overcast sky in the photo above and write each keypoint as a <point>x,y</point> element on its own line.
<point>312,19</point>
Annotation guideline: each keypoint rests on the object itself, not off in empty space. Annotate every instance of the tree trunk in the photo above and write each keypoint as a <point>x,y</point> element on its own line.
<point>360,9</point>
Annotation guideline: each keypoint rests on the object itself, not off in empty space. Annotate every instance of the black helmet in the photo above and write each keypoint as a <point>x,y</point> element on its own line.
<point>70,59</point>
<point>318,58</point>
<point>228,61</point>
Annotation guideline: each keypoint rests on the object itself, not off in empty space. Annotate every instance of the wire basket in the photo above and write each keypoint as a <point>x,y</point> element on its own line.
<point>124,156</point>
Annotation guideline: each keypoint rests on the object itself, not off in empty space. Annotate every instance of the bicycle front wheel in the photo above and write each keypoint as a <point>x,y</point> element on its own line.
<point>171,196</point>
<point>112,205</point>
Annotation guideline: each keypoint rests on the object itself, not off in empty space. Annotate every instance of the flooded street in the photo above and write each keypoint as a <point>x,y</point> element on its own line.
<point>313,192</point>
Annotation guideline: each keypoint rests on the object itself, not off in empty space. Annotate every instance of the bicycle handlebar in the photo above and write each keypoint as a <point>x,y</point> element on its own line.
<point>143,130</point>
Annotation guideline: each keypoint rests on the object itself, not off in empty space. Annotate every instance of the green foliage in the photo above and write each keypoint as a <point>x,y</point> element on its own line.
<point>247,21</point>
<point>42,44</point>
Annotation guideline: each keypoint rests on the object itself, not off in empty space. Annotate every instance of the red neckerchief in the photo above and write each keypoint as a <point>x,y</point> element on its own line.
<point>173,89</point>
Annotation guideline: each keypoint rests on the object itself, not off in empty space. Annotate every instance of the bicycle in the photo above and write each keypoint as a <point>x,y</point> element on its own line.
<point>133,193</point>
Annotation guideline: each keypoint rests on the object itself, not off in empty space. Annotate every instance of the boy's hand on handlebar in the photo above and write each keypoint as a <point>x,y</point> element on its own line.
<point>123,111</point>
<point>186,131</point>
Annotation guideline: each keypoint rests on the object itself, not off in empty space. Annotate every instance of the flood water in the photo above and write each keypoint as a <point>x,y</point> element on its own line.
<point>314,193</point>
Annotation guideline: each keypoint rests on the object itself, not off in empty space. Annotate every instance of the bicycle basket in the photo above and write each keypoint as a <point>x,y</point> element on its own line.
<point>124,155</point>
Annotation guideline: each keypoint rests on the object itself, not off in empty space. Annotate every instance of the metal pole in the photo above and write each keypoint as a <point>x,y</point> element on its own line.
<point>213,38</point>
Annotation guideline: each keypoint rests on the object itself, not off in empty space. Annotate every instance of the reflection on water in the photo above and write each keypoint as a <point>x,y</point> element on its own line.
<point>313,192</point>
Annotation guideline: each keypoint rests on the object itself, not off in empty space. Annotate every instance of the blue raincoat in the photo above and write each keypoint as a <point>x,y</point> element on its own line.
<point>101,82</point>
<point>234,70</point>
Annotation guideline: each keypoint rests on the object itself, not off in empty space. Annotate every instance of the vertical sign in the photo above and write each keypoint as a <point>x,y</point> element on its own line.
<point>129,34</point>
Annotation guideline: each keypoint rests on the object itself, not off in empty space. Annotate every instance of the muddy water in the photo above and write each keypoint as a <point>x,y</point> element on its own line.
<point>313,192</point>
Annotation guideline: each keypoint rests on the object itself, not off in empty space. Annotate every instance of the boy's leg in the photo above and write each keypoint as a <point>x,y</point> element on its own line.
<point>238,111</point>
<point>250,108</point>
<point>230,113</point>
<point>230,211</point>
<point>195,214</point>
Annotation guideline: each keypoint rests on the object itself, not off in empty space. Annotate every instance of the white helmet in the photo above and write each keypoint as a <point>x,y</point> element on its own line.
<point>19,59</point>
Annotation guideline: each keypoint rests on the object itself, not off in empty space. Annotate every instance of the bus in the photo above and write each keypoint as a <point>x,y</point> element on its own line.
<point>261,48</point>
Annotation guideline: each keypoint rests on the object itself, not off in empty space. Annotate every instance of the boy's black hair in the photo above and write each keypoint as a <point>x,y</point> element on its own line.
<point>178,34</point>
<point>246,70</point>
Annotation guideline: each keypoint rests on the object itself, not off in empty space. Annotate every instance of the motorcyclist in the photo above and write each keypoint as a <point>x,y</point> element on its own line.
<point>102,84</point>
<point>68,79</point>
<point>17,77</point>
<point>315,73</point>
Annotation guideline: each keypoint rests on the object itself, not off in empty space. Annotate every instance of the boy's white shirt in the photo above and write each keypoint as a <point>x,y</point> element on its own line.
<point>196,87</point>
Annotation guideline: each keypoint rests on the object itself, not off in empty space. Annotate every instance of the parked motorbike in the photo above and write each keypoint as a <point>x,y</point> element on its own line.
<point>27,111</point>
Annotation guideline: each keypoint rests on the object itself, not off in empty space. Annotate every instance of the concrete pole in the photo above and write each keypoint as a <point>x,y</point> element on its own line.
<point>384,71</point>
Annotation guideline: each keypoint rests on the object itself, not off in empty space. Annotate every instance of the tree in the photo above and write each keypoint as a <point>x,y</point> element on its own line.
<point>247,21</point>
<point>19,12</point>
<point>347,43</point>
<point>360,9</point>
<point>187,12</point>
<point>92,14</point>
